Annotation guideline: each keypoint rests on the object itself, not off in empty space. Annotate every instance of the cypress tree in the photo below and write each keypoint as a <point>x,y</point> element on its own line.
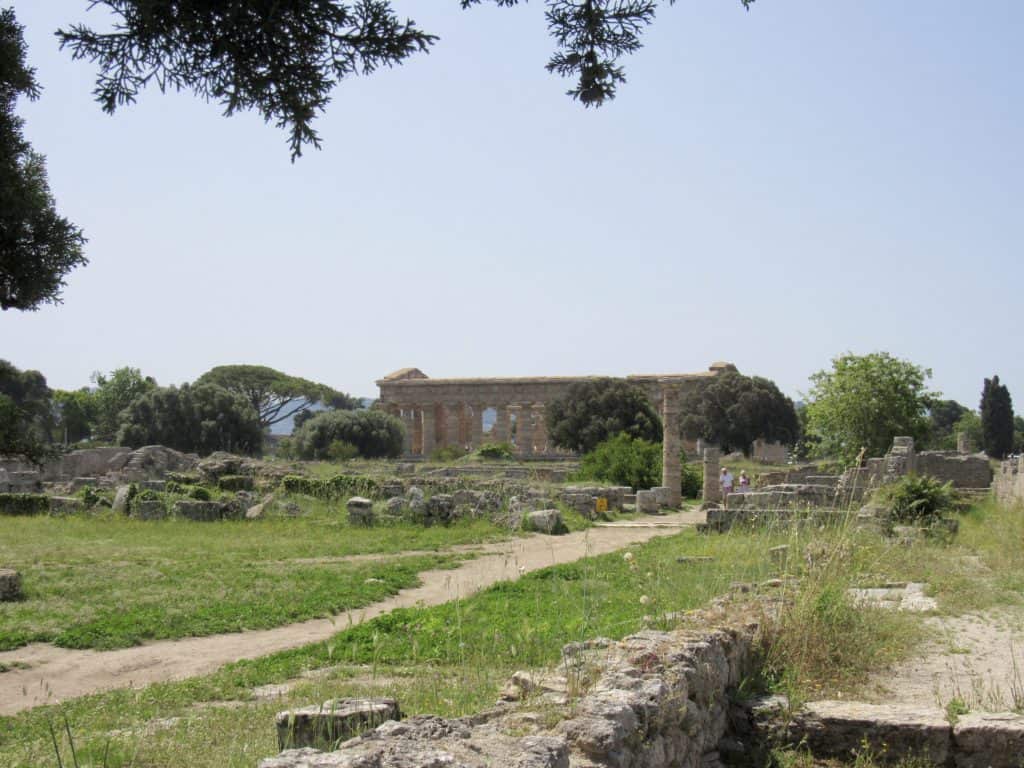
<point>996,418</point>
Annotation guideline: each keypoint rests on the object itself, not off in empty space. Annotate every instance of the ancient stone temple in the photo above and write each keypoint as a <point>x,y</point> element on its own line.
<point>451,412</point>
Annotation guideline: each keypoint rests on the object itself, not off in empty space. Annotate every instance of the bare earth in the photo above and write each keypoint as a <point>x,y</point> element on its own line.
<point>57,674</point>
<point>978,659</point>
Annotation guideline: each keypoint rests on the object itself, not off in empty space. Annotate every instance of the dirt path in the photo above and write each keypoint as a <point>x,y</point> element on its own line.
<point>978,659</point>
<point>56,674</point>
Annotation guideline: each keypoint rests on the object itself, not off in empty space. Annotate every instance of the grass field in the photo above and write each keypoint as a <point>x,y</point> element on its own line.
<point>452,659</point>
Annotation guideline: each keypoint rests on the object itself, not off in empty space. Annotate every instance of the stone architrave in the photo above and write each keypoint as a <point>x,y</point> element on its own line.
<point>671,471</point>
<point>501,425</point>
<point>476,427</point>
<point>429,443</point>
<point>524,431</point>
<point>712,491</point>
<point>540,428</point>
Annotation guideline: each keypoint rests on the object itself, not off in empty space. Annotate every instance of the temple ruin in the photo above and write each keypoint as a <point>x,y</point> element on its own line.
<point>450,412</point>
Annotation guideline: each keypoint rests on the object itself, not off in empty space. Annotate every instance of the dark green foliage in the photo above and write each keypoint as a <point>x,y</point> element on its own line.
<point>198,493</point>
<point>26,420</point>
<point>38,247</point>
<point>274,395</point>
<point>337,487</point>
<point>732,411</point>
<point>114,392</point>
<point>864,402</point>
<point>89,496</point>
<point>495,451</point>
<point>374,433</point>
<point>918,499</point>
<point>693,482</point>
<point>593,411</point>
<point>283,58</point>
<point>623,460</point>
<point>943,416</point>
<point>24,504</point>
<point>996,419</point>
<point>448,453</point>
<point>203,418</point>
<point>75,415</point>
<point>235,483</point>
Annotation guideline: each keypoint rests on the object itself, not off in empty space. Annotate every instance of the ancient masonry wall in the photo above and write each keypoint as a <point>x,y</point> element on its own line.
<point>1008,484</point>
<point>660,699</point>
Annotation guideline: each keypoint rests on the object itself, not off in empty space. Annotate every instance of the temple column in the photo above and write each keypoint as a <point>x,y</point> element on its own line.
<point>417,430</point>
<point>501,426</point>
<point>476,427</point>
<point>428,441</point>
<point>671,471</point>
<point>712,491</point>
<point>405,411</point>
<point>455,417</point>
<point>540,428</point>
<point>524,431</point>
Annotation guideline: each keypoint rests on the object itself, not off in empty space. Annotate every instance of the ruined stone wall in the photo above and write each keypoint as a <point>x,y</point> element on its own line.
<point>964,471</point>
<point>1008,484</point>
<point>658,699</point>
<point>95,463</point>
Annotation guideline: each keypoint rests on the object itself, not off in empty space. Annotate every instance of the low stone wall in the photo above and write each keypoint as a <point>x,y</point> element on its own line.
<point>964,471</point>
<point>658,699</point>
<point>95,464</point>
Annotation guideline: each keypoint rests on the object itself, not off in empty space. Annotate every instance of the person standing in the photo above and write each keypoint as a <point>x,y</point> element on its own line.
<point>744,481</point>
<point>725,480</point>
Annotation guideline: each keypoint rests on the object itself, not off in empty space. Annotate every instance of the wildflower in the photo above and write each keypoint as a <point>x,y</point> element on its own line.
<point>644,600</point>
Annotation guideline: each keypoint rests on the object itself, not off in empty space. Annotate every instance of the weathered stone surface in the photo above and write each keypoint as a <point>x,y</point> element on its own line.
<point>66,505</point>
<point>840,729</point>
<point>149,510</point>
<point>219,463</point>
<point>392,488</point>
<point>647,502</point>
<point>394,507</point>
<point>255,512</point>
<point>360,511</point>
<point>989,740</point>
<point>327,725</point>
<point>199,511</point>
<point>895,597</point>
<point>121,497</point>
<point>545,521</point>
<point>10,585</point>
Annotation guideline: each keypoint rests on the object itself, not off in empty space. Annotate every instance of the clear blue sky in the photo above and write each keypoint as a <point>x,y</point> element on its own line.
<point>771,188</point>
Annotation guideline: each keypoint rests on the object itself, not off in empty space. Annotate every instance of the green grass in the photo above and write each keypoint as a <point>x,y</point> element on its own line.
<point>108,582</point>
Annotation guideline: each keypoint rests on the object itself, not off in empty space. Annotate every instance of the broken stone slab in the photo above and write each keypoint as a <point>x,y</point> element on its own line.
<point>66,505</point>
<point>842,729</point>
<point>327,725</point>
<point>989,740</point>
<point>360,511</point>
<point>198,511</point>
<point>647,502</point>
<point>10,585</point>
<point>149,510</point>
<point>895,597</point>
<point>547,521</point>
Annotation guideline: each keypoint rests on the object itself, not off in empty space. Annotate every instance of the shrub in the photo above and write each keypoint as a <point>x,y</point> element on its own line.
<point>373,433</point>
<point>448,453</point>
<point>24,504</point>
<point>594,411</point>
<point>693,482</point>
<point>337,487</point>
<point>89,496</point>
<point>917,499</point>
<point>198,493</point>
<point>339,450</point>
<point>623,460</point>
<point>495,451</point>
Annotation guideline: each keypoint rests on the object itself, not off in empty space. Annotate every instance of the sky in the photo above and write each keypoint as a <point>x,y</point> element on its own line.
<point>771,188</point>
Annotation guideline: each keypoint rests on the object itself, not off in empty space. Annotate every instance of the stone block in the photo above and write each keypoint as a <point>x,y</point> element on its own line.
<point>545,521</point>
<point>989,740</point>
<point>121,498</point>
<point>647,502</point>
<point>10,585</point>
<point>360,511</point>
<point>149,510</point>
<point>663,495</point>
<point>199,511</point>
<point>66,505</point>
<point>327,725</point>
<point>392,489</point>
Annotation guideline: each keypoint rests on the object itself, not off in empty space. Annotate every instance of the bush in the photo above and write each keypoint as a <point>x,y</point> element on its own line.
<point>592,412</point>
<point>340,450</point>
<point>89,496</point>
<point>337,487</point>
<point>623,460</point>
<point>693,482</point>
<point>24,504</point>
<point>917,499</point>
<point>495,451</point>
<point>448,453</point>
<point>373,433</point>
<point>198,493</point>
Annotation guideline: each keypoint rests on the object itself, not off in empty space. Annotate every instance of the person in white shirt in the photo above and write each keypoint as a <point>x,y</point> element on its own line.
<point>725,480</point>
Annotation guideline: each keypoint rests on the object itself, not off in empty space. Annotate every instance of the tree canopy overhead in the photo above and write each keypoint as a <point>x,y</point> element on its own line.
<point>732,411</point>
<point>274,395</point>
<point>864,402</point>
<point>38,247</point>
<point>283,58</point>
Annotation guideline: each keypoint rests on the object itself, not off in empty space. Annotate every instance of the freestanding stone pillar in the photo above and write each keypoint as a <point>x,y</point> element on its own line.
<point>671,471</point>
<point>429,443</point>
<point>501,426</point>
<point>524,431</point>
<point>540,428</point>
<point>963,443</point>
<point>712,491</point>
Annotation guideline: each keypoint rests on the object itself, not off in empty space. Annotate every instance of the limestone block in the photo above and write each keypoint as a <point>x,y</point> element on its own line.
<point>989,740</point>
<point>360,511</point>
<point>647,502</point>
<point>839,729</point>
<point>545,521</point>
<point>199,511</point>
<point>149,510</point>
<point>391,489</point>
<point>327,725</point>
<point>663,494</point>
<point>255,512</point>
<point>10,585</point>
<point>121,497</point>
<point>65,505</point>
<point>395,506</point>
